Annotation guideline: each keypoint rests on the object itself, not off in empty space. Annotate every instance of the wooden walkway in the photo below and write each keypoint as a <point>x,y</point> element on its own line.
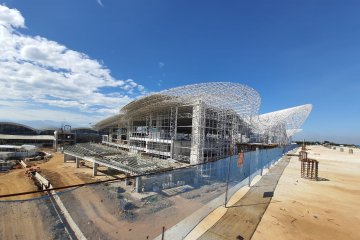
<point>242,219</point>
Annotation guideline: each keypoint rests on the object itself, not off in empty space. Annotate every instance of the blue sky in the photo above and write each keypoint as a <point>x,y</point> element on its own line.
<point>291,52</point>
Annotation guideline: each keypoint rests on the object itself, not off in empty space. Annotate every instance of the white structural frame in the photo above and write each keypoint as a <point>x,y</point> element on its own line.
<point>216,116</point>
<point>289,119</point>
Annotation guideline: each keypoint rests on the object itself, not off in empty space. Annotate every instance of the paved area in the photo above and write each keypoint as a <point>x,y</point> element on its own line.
<point>241,219</point>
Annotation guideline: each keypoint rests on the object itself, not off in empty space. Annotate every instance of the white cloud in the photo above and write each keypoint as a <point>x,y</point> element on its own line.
<point>161,64</point>
<point>11,17</point>
<point>40,71</point>
<point>13,104</point>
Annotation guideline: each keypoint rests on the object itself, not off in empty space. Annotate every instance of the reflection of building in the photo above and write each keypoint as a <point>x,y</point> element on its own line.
<point>199,123</point>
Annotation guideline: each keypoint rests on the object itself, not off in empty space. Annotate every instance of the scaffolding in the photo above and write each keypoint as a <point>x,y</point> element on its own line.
<point>200,122</point>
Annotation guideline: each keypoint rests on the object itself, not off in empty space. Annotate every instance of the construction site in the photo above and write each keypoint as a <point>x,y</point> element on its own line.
<point>165,161</point>
<point>186,210</point>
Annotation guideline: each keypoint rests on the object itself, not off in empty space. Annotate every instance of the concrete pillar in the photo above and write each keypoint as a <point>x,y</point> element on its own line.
<point>95,165</point>
<point>138,184</point>
<point>197,135</point>
<point>64,157</point>
<point>77,162</point>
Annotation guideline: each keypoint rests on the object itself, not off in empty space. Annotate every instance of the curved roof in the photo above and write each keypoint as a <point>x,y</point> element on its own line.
<point>237,97</point>
<point>107,122</point>
<point>12,126</point>
<point>148,103</point>
<point>292,118</point>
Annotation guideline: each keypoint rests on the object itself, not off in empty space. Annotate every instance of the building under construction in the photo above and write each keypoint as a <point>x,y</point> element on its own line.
<point>199,123</point>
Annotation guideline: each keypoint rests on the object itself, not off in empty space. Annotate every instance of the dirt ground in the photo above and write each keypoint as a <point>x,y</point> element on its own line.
<point>300,208</point>
<point>62,174</point>
<point>55,170</point>
<point>99,214</point>
<point>16,215</point>
<point>94,208</point>
<point>305,209</point>
<point>22,218</point>
<point>16,181</point>
<point>36,219</point>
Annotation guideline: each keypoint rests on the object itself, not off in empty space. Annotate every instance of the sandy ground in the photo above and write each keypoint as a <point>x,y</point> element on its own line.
<point>305,209</point>
<point>96,212</point>
<point>14,215</point>
<point>36,219</point>
<point>97,215</point>
<point>16,181</point>
<point>62,174</point>
<point>301,209</point>
<point>58,172</point>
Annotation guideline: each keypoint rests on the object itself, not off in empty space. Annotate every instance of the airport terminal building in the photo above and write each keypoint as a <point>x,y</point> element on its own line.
<point>199,123</point>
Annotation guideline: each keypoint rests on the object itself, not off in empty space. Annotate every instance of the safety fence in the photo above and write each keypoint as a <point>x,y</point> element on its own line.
<point>165,205</point>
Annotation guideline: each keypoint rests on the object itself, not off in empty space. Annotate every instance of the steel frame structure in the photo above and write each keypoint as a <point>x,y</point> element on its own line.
<point>283,123</point>
<point>199,122</point>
